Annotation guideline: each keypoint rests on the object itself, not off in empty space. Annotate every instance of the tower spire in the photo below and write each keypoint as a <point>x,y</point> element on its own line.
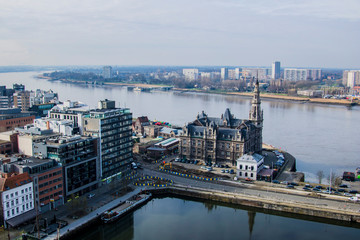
<point>255,114</point>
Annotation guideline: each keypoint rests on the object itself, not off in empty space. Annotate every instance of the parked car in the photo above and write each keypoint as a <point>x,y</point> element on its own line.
<point>276,181</point>
<point>91,195</point>
<point>294,184</point>
<point>290,186</point>
<point>285,182</point>
<point>232,171</point>
<point>330,189</point>
<point>222,170</point>
<point>308,186</point>
<point>343,186</point>
<point>341,190</point>
<point>227,171</point>
<point>306,189</point>
<point>319,187</point>
<point>353,191</point>
<point>316,189</point>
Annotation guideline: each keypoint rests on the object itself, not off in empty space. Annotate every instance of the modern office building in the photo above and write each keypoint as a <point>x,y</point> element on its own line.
<point>79,158</point>
<point>22,100</point>
<point>275,70</point>
<point>224,139</point>
<point>107,72</point>
<point>114,128</point>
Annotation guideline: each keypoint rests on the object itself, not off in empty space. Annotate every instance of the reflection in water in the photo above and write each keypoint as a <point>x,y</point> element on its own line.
<point>280,105</point>
<point>251,220</point>
<point>210,206</point>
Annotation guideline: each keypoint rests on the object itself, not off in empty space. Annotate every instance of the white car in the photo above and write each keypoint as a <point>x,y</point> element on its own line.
<point>355,199</point>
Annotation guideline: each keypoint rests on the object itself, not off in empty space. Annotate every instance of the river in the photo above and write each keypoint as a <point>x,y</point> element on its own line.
<point>321,137</point>
<point>179,219</point>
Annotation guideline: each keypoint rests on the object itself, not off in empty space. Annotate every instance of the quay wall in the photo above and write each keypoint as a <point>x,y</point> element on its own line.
<point>267,204</point>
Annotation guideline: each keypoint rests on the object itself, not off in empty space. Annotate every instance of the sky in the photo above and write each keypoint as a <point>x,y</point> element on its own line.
<point>298,33</point>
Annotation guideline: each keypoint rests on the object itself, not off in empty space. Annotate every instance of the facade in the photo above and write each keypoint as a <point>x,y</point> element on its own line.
<point>152,130</point>
<point>10,118</point>
<point>259,73</point>
<point>139,124</point>
<point>107,72</point>
<point>167,132</point>
<point>275,70</point>
<point>79,159</point>
<point>293,74</point>
<point>351,78</point>
<point>191,74</point>
<point>248,166</point>
<point>224,139</point>
<point>17,198</point>
<point>46,175</point>
<point>224,74</point>
<point>65,127</point>
<point>113,127</point>
<point>22,100</point>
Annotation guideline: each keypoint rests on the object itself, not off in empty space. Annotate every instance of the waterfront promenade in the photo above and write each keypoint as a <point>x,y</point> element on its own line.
<point>93,215</point>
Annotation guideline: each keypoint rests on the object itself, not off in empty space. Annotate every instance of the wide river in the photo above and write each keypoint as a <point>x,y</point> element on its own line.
<point>321,137</point>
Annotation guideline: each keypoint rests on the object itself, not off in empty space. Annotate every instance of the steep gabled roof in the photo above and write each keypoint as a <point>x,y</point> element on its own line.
<point>14,181</point>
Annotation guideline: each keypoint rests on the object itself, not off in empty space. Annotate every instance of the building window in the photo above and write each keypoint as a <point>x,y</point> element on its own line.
<point>246,174</point>
<point>240,174</point>
<point>240,166</point>
<point>252,175</point>
<point>8,213</point>
<point>7,205</point>
<point>252,168</point>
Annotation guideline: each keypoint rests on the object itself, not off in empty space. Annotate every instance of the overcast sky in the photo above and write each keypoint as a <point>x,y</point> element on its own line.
<point>299,33</point>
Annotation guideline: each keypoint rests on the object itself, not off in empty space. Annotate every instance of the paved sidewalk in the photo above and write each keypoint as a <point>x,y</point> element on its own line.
<point>93,215</point>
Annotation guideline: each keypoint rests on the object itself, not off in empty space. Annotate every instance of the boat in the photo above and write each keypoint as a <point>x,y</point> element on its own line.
<point>130,204</point>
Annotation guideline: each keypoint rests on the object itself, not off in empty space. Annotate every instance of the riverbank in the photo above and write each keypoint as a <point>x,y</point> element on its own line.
<point>344,102</point>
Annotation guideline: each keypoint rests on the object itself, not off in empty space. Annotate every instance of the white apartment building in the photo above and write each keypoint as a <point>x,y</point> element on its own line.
<point>295,74</point>
<point>17,198</point>
<point>191,74</point>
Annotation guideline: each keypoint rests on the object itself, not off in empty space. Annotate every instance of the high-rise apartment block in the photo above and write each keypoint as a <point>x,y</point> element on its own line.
<point>351,78</point>
<point>107,72</point>
<point>275,70</point>
<point>113,127</point>
<point>293,74</point>
<point>191,74</point>
<point>224,74</point>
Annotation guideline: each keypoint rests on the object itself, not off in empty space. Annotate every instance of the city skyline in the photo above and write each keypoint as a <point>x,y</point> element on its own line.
<point>315,34</point>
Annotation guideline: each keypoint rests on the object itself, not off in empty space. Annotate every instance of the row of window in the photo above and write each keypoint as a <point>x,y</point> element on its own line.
<point>50,189</point>
<point>15,202</point>
<point>11,213</point>
<point>50,175</point>
<point>19,121</point>
<point>246,174</point>
<point>15,194</point>
<point>246,167</point>
<point>50,182</point>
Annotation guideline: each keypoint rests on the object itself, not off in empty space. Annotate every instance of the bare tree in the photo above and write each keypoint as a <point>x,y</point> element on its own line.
<point>320,175</point>
<point>332,178</point>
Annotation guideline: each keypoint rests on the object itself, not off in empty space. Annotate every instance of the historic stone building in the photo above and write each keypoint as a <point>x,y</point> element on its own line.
<point>224,139</point>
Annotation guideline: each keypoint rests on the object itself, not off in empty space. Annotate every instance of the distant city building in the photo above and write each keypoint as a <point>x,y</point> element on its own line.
<point>351,78</point>
<point>237,73</point>
<point>259,73</point>
<point>224,75</point>
<point>107,72</point>
<point>275,70</point>
<point>224,139</point>
<point>310,93</point>
<point>6,97</point>
<point>18,87</point>
<point>22,100</point>
<point>113,127</point>
<point>191,74</point>
<point>294,74</point>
